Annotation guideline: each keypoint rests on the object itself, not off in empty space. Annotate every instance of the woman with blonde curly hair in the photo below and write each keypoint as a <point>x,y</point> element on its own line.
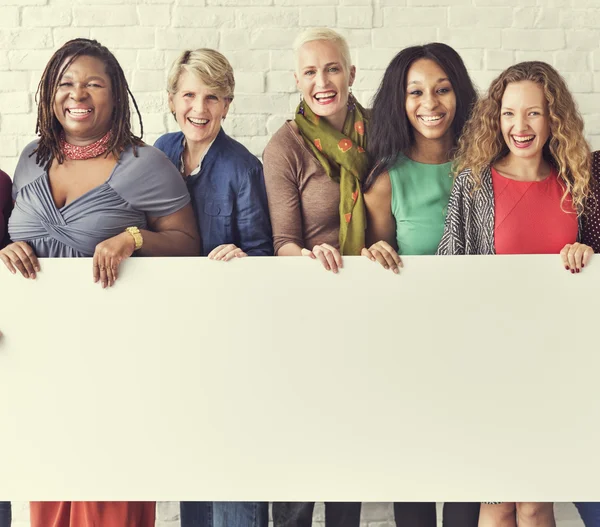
<point>523,181</point>
<point>523,168</point>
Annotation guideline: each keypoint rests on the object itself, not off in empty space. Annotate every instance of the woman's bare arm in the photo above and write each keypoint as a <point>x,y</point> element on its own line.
<point>172,235</point>
<point>381,225</point>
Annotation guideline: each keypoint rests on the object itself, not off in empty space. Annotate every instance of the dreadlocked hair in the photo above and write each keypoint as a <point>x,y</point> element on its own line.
<point>49,129</point>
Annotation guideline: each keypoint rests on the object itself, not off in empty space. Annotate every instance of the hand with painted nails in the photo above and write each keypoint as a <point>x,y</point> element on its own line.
<point>108,256</point>
<point>226,252</point>
<point>385,254</point>
<point>575,256</point>
<point>328,255</point>
<point>20,255</point>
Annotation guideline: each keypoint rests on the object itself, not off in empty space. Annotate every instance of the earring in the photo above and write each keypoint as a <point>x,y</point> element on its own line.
<point>301,107</point>
<point>351,100</point>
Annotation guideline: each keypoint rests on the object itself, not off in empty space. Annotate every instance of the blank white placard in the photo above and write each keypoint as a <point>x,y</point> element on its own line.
<point>461,379</point>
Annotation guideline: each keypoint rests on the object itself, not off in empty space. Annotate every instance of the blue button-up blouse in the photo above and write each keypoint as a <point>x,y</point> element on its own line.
<point>228,195</point>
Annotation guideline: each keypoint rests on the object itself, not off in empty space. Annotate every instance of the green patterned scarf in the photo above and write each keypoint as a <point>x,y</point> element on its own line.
<point>345,160</point>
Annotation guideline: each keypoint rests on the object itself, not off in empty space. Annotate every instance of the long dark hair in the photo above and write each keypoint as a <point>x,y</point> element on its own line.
<point>390,130</point>
<point>48,127</point>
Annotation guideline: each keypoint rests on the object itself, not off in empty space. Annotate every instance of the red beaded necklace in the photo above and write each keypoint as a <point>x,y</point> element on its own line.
<point>85,152</point>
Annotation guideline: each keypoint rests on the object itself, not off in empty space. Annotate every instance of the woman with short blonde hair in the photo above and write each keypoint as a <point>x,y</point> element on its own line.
<point>227,188</point>
<point>224,179</point>
<point>315,164</point>
<point>314,167</point>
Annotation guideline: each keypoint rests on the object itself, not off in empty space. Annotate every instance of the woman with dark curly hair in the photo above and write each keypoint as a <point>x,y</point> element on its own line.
<point>523,183</point>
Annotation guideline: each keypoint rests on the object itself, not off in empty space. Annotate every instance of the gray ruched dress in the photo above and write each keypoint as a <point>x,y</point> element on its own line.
<point>138,187</point>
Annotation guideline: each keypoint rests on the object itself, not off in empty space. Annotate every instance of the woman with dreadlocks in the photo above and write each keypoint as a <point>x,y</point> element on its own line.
<point>89,187</point>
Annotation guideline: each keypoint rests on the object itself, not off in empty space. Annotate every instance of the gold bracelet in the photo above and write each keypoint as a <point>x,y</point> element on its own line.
<point>137,237</point>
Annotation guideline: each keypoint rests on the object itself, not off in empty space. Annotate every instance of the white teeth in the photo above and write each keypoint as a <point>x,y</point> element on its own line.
<point>431,118</point>
<point>325,95</point>
<point>198,121</point>
<point>524,138</point>
<point>77,111</point>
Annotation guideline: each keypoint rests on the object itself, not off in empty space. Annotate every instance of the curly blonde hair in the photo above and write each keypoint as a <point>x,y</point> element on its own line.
<point>482,144</point>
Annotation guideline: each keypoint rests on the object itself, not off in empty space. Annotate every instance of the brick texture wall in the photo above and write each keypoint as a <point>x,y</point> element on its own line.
<point>256,36</point>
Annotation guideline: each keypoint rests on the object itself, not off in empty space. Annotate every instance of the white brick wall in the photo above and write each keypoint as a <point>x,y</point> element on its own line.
<point>372,514</point>
<point>256,36</point>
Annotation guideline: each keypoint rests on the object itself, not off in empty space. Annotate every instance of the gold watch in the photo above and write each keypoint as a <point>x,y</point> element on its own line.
<point>137,237</point>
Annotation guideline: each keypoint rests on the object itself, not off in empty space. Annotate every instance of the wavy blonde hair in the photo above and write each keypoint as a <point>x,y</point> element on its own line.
<point>482,143</point>
<point>210,66</point>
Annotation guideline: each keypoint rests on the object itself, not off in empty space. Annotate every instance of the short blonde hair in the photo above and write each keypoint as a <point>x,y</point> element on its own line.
<point>210,66</point>
<point>323,33</point>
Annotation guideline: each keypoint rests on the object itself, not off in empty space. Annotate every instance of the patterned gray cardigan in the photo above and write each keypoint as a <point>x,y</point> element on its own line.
<point>469,227</point>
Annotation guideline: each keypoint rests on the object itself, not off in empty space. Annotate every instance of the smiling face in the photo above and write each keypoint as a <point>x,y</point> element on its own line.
<point>83,103</point>
<point>324,80</point>
<point>524,119</point>
<point>198,109</point>
<point>430,100</point>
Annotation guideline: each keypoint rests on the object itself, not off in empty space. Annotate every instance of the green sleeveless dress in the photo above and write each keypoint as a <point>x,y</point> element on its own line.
<point>420,194</point>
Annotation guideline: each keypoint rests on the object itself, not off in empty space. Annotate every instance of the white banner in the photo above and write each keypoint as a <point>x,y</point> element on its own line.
<point>461,379</point>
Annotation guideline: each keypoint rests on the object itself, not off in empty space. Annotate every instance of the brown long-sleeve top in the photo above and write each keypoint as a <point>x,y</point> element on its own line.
<point>303,200</point>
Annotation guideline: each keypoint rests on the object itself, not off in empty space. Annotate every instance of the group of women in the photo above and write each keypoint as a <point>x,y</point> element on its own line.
<point>430,169</point>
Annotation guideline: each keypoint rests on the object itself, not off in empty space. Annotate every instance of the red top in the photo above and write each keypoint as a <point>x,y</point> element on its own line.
<point>5,204</point>
<point>530,217</point>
